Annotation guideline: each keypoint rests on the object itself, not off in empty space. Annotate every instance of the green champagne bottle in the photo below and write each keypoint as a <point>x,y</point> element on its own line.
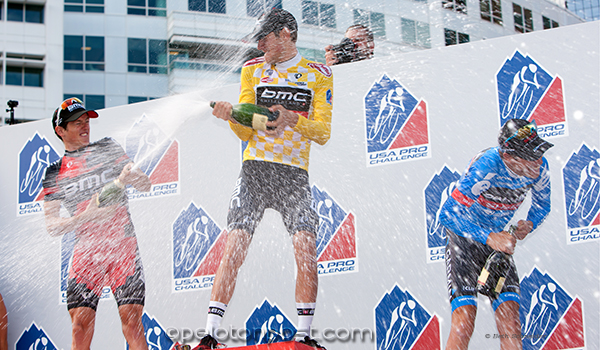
<point>112,193</point>
<point>252,116</point>
<point>496,268</point>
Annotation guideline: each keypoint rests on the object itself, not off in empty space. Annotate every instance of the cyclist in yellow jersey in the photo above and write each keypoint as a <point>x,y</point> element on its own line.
<point>275,168</point>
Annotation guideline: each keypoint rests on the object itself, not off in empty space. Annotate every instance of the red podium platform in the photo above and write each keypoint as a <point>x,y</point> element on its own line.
<point>288,345</point>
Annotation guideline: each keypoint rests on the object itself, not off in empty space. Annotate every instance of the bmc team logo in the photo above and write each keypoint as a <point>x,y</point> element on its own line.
<point>268,324</point>
<point>396,124</point>
<point>336,236</point>
<point>527,91</point>
<point>157,155</point>
<point>35,156</point>
<point>34,338</point>
<point>155,335</point>
<point>438,189</point>
<point>401,323</point>
<point>550,317</point>
<point>198,245</point>
<point>581,181</point>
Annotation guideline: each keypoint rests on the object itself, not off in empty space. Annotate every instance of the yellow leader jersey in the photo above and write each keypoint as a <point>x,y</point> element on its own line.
<point>299,85</point>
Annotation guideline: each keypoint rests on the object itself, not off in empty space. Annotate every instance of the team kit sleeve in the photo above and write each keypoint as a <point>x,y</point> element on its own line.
<point>318,128</point>
<point>455,212</point>
<point>540,197</point>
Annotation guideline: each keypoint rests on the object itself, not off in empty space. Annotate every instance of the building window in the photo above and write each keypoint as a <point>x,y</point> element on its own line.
<point>318,14</point>
<point>459,6</point>
<point>211,6</point>
<point>523,19</point>
<point>91,6</point>
<point>147,7</point>
<point>89,101</point>
<point>136,99</point>
<point>453,37</point>
<point>491,10</point>
<point>416,33</point>
<point>374,20</point>
<point>24,76</point>
<point>147,56</point>
<point>255,8</point>
<point>88,57</point>
<point>589,10</point>
<point>25,13</point>
<point>548,23</point>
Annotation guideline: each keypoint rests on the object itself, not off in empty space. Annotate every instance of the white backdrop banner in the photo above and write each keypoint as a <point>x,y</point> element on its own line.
<point>403,130</point>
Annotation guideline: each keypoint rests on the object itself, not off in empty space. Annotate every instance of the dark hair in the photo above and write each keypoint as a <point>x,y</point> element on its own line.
<point>363,27</point>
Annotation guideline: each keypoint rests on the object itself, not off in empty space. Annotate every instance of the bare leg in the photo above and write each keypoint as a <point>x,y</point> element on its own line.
<point>83,320</point>
<point>461,330</point>
<point>509,326</point>
<point>234,255</point>
<point>131,323</point>
<point>307,282</point>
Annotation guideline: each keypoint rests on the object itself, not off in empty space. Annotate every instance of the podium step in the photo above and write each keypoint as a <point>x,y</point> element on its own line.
<point>287,345</point>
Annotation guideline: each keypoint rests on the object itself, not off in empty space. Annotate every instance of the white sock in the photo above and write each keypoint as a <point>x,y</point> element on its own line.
<point>306,312</point>
<point>216,310</point>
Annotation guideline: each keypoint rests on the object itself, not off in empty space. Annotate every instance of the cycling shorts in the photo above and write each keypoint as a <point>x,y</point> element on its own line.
<point>281,187</point>
<point>120,269</point>
<point>464,260</point>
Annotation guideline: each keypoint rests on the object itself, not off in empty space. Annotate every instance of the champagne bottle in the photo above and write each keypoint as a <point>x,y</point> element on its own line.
<point>252,116</point>
<point>112,193</point>
<point>496,268</point>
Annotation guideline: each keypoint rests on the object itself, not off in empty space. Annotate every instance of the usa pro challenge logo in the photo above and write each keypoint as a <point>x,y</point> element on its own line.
<point>197,249</point>
<point>34,338</point>
<point>155,335</point>
<point>157,155</point>
<point>396,124</point>
<point>268,324</point>
<point>436,193</point>
<point>527,91</point>
<point>336,236</point>
<point>401,323</point>
<point>35,156</point>
<point>581,181</point>
<point>550,317</point>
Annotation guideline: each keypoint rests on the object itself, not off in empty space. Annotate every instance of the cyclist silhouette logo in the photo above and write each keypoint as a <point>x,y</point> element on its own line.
<point>156,154</point>
<point>267,324</point>
<point>336,235</point>
<point>197,248</point>
<point>438,189</point>
<point>527,91</point>
<point>581,179</point>
<point>34,339</point>
<point>156,337</point>
<point>401,323</point>
<point>548,313</point>
<point>35,156</point>
<point>396,123</point>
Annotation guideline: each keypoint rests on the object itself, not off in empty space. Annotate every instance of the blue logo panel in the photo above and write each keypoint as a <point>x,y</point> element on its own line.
<point>267,324</point>
<point>34,339</point>
<point>521,84</point>
<point>331,217</point>
<point>581,179</point>
<point>543,304</point>
<point>387,107</point>
<point>155,335</point>
<point>440,187</point>
<point>194,232</point>
<point>34,158</point>
<point>145,144</point>
<point>399,320</point>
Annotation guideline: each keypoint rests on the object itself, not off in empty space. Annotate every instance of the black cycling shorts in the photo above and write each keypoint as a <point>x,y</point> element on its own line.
<point>464,260</point>
<point>281,187</point>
